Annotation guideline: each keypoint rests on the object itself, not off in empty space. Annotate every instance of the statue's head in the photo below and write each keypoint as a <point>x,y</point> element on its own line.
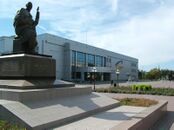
<point>29,6</point>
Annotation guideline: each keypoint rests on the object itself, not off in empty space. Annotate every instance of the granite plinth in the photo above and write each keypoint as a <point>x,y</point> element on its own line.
<point>34,83</point>
<point>22,66</point>
<point>34,95</point>
<point>26,71</point>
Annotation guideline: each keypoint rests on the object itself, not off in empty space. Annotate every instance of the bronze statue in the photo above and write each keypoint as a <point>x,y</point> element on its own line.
<point>25,29</point>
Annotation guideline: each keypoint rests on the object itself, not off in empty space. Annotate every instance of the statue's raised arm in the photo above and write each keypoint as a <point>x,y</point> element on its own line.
<point>37,17</point>
<point>25,29</point>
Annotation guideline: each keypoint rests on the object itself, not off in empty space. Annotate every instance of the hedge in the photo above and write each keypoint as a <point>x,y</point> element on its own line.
<point>144,89</point>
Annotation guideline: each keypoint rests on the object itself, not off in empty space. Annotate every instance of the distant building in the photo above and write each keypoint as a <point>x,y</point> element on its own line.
<point>6,44</point>
<point>75,61</point>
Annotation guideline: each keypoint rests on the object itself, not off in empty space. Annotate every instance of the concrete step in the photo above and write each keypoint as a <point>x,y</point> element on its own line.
<point>45,114</point>
<point>34,95</point>
<point>104,121</point>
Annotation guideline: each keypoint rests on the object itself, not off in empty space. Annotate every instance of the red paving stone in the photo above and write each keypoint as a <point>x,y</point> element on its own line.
<point>165,123</point>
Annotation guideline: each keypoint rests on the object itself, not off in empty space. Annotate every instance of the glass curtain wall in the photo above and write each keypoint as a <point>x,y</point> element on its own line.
<point>91,60</point>
<point>99,61</point>
<point>81,59</point>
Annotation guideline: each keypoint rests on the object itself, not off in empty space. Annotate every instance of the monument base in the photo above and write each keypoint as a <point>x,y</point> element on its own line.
<point>27,66</point>
<point>37,95</point>
<point>26,71</point>
<point>43,109</point>
<point>34,84</point>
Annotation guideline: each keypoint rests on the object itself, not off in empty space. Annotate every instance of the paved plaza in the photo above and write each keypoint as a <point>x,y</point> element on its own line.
<point>156,84</point>
<point>167,122</point>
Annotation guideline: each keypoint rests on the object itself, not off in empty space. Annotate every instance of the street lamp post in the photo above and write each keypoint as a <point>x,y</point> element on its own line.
<point>128,77</point>
<point>94,70</point>
<point>117,74</point>
<point>117,71</point>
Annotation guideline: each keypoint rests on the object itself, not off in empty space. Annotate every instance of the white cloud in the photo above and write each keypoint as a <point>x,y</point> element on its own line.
<point>114,5</point>
<point>149,38</point>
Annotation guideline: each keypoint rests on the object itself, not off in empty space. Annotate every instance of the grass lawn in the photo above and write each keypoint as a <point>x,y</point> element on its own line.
<point>4,125</point>
<point>141,102</point>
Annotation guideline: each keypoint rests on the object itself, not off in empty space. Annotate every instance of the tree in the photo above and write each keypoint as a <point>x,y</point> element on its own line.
<point>153,74</point>
<point>156,74</point>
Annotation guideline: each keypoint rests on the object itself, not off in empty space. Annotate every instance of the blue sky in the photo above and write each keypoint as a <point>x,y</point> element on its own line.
<point>139,28</point>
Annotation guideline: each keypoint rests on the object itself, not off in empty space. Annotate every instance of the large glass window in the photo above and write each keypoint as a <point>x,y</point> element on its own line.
<point>81,59</point>
<point>91,60</point>
<point>106,76</point>
<point>104,61</point>
<point>133,64</point>
<point>76,75</point>
<point>133,70</point>
<point>73,58</point>
<point>99,61</point>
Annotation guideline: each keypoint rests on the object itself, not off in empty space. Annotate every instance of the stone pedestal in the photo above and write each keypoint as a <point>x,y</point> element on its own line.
<point>27,66</point>
<point>25,71</point>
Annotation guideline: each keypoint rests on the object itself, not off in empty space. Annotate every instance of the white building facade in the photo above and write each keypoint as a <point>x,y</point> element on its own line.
<point>75,61</point>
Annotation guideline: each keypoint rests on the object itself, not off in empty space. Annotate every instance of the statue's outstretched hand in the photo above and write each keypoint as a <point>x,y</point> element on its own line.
<point>38,9</point>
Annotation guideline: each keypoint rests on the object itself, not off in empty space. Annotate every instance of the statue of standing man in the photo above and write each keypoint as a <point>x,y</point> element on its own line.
<point>25,29</point>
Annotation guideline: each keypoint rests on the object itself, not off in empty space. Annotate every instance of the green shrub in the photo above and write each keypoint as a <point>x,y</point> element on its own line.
<point>134,87</point>
<point>141,87</point>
